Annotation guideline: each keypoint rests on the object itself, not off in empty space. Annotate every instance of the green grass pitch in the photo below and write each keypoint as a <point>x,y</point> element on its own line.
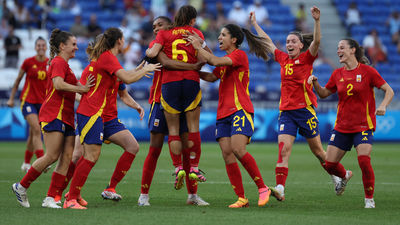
<point>310,198</point>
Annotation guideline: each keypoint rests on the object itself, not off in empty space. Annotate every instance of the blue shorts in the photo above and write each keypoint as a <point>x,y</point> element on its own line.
<point>304,120</point>
<point>59,126</point>
<point>111,127</point>
<point>157,122</point>
<point>240,122</point>
<point>91,129</point>
<point>345,141</point>
<point>180,96</point>
<point>28,108</point>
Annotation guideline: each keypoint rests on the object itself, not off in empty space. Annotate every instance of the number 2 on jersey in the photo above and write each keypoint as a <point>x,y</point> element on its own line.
<point>176,51</point>
<point>349,89</point>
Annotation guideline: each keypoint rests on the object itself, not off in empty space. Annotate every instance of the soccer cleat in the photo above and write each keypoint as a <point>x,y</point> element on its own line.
<point>240,203</point>
<point>278,192</point>
<point>80,200</point>
<point>263,196</point>
<point>369,203</point>
<point>49,202</point>
<point>336,180</point>
<point>110,194</point>
<point>179,177</point>
<point>197,175</point>
<point>25,167</point>
<point>72,204</point>
<point>194,199</point>
<point>20,193</point>
<point>341,186</point>
<point>143,200</point>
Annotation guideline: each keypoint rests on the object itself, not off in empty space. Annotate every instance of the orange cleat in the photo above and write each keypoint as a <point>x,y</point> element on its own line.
<point>263,196</point>
<point>72,204</point>
<point>80,200</point>
<point>240,203</point>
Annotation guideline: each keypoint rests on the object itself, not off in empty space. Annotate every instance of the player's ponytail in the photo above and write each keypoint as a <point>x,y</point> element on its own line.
<point>359,54</point>
<point>104,43</point>
<point>56,38</point>
<point>184,16</point>
<point>306,39</point>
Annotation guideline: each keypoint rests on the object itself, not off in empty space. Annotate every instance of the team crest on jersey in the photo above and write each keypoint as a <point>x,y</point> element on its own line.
<point>358,78</point>
<point>297,61</point>
<point>332,137</point>
<point>282,127</point>
<point>156,122</point>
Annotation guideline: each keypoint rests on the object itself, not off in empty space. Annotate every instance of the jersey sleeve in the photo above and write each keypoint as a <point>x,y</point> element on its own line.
<point>110,64</point>
<point>376,78</point>
<point>25,65</point>
<point>201,35</point>
<point>217,71</point>
<point>309,59</point>
<point>60,69</point>
<point>237,58</point>
<point>160,38</point>
<point>279,55</point>
<point>331,85</point>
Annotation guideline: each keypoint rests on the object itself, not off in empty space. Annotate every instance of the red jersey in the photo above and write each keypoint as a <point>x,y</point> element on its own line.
<point>234,92</point>
<point>356,106</point>
<point>155,89</point>
<point>111,111</point>
<point>59,104</point>
<point>175,48</point>
<point>296,93</point>
<point>103,70</point>
<point>34,89</point>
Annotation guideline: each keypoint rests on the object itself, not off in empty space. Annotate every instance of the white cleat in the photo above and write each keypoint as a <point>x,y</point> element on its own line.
<point>144,200</point>
<point>369,203</point>
<point>20,193</point>
<point>111,195</point>
<point>336,180</point>
<point>342,184</point>
<point>25,167</point>
<point>278,192</point>
<point>49,202</point>
<point>194,199</point>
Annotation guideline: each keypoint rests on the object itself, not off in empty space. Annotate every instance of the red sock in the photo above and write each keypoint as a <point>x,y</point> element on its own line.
<point>149,167</point>
<point>79,178</point>
<point>196,149</point>
<point>368,175</point>
<point>39,153</point>
<point>56,185</point>
<point>29,177</point>
<point>235,177</point>
<point>122,167</point>
<point>28,156</point>
<point>70,173</point>
<point>281,174</point>
<point>176,159</point>
<point>249,163</point>
<point>191,185</point>
<point>335,168</point>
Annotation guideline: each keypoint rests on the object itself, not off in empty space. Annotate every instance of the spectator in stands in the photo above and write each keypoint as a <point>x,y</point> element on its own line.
<point>132,54</point>
<point>74,8</point>
<point>36,12</point>
<point>21,15</point>
<point>12,44</point>
<point>237,14</point>
<point>107,5</point>
<point>221,18</point>
<point>93,27</point>
<point>261,11</point>
<point>376,51</point>
<point>4,28</point>
<point>394,28</point>
<point>134,19</point>
<point>79,30</point>
<point>301,17</point>
<point>353,16</point>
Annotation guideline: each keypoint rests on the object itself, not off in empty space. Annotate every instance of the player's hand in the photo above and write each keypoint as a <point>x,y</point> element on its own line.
<point>315,12</point>
<point>89,83</point>
<point>312,78</point>
<point>252,18</point>
<point>150,68</point>
<point>140,111</point>
<point>10,103</point>
<point>380,111</point>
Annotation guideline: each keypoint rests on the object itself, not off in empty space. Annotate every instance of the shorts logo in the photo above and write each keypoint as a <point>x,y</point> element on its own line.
<point>156,122</point>
<point>282,127</point>
<point>332,137</point>
<point>216,132</point>
<point>365,139</point>
<point>314,132</point>
<point>239,129</point>
<point>63,128</point>
<point>101,136</point>
<point>28,109</point>
<point>358,78</point>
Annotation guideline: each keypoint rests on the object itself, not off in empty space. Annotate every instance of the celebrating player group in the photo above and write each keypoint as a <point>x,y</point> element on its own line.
<point>175,59</point>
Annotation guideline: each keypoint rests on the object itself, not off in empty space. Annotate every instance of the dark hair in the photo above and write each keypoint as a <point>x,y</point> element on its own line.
<point>91,45</point>
<point>306,39</point>
<point>39,39</point>
<point>166,19</point>
<point>56,38</point>
<point>106,42</point>
<point>184,15</point>
<point>258,45</point>
<point>359,54</point>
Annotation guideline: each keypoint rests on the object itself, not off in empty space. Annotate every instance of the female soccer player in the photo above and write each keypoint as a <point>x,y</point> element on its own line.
<point>355,121</point>
<point>32,97</point>
<point>106,69</point>
<point>297,98</point>
<point>180,89</point>
<point>56,116</point>
<point>235,110</point>
<point>158,127</point>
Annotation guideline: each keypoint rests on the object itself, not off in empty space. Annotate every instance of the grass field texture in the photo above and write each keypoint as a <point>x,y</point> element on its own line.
<point>310,197</point>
